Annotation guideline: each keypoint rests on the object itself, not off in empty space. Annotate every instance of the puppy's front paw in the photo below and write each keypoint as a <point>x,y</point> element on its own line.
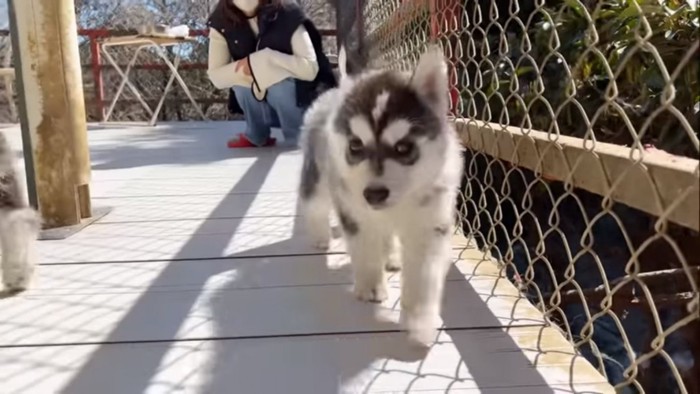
<point>393,265</point>
<point>421,327</point>
<point>321,243</point>
<point>16,277</point>
<point>371,293</point>
<point>319,233</point>
<point>422,338</point>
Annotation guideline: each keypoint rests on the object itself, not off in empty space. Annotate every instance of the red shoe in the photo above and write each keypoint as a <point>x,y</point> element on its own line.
<point>242,142</point>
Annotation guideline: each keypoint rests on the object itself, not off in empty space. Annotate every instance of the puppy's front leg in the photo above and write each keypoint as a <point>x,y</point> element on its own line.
<point>315,201</point>
<point>426,259</point>
<point>368,254</point>
<point>316,212</point>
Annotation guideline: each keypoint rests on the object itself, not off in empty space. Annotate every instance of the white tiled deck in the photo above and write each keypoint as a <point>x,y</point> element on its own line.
<point>199,280</point>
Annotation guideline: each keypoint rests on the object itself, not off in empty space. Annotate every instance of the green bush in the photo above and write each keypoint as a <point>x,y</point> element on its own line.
<point>611,73</point>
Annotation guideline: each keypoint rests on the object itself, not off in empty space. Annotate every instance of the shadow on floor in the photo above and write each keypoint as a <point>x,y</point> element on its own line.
<point>181,144</point>
<point>273,364</point>
<point>161,145</point>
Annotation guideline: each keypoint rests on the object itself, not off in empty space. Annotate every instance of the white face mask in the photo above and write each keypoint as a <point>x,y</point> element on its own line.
<point>247,6</point>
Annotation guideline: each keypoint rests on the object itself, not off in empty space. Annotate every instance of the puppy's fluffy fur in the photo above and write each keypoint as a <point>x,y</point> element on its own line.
<point>19,226</point>
<point>381,152</point>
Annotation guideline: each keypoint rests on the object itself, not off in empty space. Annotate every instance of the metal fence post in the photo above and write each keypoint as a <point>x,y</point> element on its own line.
<point>26,137</point>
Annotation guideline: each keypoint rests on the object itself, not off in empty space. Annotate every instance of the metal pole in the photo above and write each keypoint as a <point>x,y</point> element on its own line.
<point>52,108</point>
<point>23,120</point>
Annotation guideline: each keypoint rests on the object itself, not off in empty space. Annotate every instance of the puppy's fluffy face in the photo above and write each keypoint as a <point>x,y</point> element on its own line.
<point>390,131</point>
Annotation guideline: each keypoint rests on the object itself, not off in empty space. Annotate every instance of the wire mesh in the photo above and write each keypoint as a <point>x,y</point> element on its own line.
<point>8,109</point>
<point>616,82</point>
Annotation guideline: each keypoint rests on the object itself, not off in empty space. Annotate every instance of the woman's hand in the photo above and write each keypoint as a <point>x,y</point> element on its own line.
<point>242,66</point>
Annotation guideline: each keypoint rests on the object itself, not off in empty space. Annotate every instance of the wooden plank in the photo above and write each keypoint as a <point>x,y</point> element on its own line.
<point>514,361</point>
<point>88,278</point>
<point>659,184</point>
<point>193,187</point>
<point>255,236</point>
<point>122,278</point>
<point>207,206</point>
<point>182,240</point>
<point>161,174</point>
<point>193,300</point>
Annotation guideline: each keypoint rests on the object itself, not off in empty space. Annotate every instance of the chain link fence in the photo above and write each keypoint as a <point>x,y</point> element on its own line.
<point>580,121</point>
<point>8,108</point>
<point>98,20</point>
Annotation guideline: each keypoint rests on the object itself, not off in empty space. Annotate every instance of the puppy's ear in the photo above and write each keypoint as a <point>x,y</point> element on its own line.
<point>350,63</point>
<point>430,79</point>
<point>343,62</point>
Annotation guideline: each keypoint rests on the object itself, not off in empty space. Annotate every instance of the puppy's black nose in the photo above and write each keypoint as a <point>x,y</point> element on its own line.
<point>376,195</point>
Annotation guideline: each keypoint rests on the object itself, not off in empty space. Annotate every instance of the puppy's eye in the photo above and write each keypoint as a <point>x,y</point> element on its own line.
<point>404,148</point>
<point>355,146</point>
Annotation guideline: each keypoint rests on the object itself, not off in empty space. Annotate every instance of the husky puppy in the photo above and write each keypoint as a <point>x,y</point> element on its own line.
<point>19,226</point>
<point>380,151</point>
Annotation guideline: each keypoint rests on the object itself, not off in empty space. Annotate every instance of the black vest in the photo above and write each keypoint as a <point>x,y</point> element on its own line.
<point>276,25</point>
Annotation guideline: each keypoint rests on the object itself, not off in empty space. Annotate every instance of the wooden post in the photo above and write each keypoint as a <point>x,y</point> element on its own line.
<point>53,108</point>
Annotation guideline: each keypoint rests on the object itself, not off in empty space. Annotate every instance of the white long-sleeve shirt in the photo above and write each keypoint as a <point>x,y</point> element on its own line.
<point>267,65</point>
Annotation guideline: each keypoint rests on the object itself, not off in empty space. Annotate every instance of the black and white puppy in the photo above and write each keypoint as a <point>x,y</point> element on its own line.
<point>381,152</point>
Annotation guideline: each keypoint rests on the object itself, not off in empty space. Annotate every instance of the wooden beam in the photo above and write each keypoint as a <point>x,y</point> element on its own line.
<point>54,109</point>
<point>657,183</point>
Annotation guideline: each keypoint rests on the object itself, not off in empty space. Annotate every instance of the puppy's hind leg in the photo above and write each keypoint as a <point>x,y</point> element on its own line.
<point>19,228</point>
<point>315,204</point>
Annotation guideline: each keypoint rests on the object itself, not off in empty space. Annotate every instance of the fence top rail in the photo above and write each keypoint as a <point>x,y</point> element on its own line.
<point>658,183</point>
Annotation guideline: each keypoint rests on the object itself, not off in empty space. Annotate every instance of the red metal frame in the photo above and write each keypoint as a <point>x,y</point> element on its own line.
<point>95,61</point>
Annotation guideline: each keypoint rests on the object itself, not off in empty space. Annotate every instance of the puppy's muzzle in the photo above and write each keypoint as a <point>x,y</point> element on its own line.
<point>376,196</point>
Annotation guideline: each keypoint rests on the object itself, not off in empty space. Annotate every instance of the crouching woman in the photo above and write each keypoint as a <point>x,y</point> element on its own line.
<point>271,57</point>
